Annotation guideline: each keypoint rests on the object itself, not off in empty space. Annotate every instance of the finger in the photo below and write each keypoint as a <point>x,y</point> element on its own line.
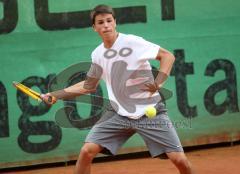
<point>43,97</point>
<point>144,89</point>
<point>51,99</point>
<point>147,85</point>
<point>48,99</point>
<point>150,94</point>
<point>151,86</point>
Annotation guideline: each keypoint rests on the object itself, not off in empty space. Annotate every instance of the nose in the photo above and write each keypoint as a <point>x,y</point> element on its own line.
<point>106,24</point>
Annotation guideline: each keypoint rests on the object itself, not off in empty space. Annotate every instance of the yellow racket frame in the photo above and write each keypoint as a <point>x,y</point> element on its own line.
<point>31,93</point>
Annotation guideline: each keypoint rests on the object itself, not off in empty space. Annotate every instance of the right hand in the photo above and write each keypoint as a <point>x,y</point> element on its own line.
<point>48,99</point>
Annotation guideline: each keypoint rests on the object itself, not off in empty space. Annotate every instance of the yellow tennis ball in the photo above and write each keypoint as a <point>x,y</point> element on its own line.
<point>150,112</point>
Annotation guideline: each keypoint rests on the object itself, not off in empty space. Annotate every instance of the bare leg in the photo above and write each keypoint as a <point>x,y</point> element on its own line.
<point>87,153</point>
<point>180,160</point>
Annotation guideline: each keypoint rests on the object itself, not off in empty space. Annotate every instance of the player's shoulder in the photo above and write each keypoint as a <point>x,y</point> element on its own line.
<point>133,40</point>
<point>97,51</point>
<point>131,37</point>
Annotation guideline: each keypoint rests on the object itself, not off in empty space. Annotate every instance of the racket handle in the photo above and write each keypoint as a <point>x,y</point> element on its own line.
<point>48,99</point>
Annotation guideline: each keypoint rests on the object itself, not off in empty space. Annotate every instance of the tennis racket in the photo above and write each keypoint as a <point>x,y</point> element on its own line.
<point>29,92</point>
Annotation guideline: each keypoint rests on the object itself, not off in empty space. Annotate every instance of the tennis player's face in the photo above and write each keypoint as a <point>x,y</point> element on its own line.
<point>105,26</point>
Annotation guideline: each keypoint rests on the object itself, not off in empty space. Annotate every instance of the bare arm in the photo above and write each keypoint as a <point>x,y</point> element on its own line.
<point>84,87</point>
<point>166,59</point>
<point>166,62</point>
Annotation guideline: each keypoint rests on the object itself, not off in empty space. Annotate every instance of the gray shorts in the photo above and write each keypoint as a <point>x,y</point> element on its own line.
<point>113,130</point>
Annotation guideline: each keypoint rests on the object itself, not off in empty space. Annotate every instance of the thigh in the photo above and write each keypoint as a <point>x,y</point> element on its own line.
<point>159,135</point>
<point>110,133</point>
<point>176,156</point>
<point>91,148</point>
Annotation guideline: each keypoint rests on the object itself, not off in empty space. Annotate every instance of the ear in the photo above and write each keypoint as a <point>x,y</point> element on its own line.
<point>115,22</point>
<point>93,26</point>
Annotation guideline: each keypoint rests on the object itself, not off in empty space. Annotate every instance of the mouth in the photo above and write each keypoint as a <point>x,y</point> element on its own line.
<point>108,31</point>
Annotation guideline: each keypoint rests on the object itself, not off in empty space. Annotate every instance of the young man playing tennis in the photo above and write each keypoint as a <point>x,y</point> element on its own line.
<point>122,62</point>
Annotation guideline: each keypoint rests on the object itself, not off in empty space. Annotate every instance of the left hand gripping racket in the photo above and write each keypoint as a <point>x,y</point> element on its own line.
<point>31,93</point>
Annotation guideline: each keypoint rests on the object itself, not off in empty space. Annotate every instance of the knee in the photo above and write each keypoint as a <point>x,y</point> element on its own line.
<point>88,153</point>
<point>182,163</point>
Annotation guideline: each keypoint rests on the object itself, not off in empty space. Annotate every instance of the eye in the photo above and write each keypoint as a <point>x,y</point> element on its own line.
<point>100,22</point>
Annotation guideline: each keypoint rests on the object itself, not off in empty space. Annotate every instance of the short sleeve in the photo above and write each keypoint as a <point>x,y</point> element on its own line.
<point>146,50</point>
<point>95,71</point>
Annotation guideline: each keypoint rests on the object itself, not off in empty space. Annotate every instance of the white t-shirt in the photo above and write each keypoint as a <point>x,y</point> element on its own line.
<point>125,69</point>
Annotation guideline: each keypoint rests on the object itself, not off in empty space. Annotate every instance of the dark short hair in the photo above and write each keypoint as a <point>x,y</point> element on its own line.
<point>101,9</point>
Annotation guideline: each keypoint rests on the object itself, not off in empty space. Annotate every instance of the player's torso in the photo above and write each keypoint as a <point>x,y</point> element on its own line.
<point>125,73</point>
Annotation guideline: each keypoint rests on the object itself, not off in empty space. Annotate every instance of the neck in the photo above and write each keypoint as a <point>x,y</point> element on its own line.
<point>108,42</point>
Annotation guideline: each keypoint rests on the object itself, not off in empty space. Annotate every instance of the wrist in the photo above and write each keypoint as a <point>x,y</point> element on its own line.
<point>158,85</point>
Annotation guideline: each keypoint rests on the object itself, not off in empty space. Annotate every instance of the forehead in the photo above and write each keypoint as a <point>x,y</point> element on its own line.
<point>103,16</point>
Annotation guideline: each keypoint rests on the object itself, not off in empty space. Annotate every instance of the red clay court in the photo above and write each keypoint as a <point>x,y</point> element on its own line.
<point>214,160</point>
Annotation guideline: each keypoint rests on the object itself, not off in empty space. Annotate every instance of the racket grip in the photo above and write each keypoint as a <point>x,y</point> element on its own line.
<point>48,99</point>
